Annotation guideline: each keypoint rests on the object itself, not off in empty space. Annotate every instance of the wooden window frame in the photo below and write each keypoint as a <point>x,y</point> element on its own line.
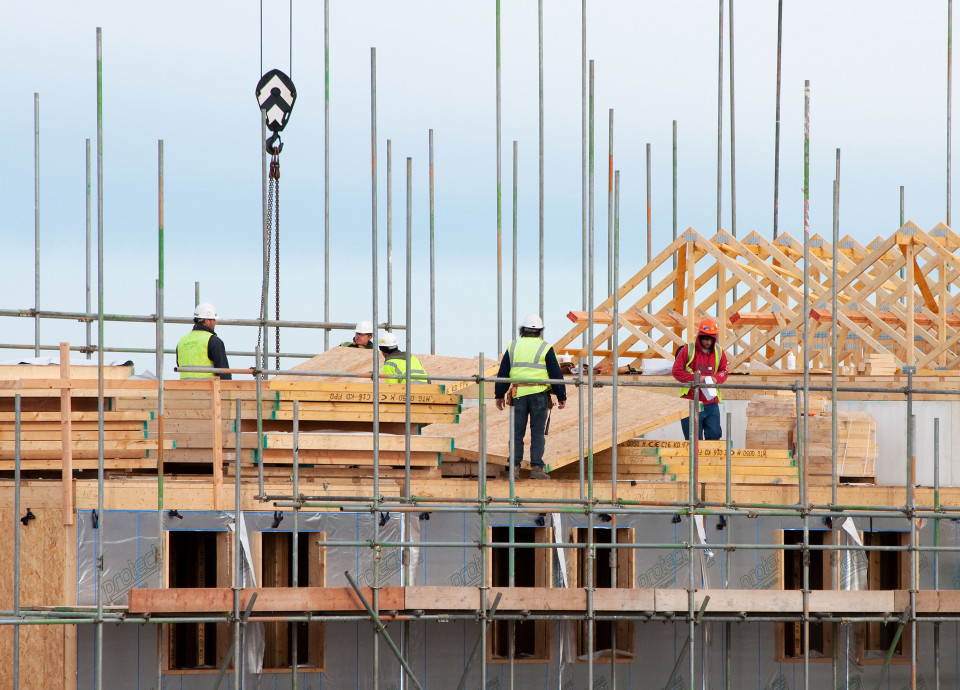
<point>543,577</point>
<point>223,568</point>
<point>828,629</point>
<point>272,570</point>
<point>626,579</point>
<point>869,633</point>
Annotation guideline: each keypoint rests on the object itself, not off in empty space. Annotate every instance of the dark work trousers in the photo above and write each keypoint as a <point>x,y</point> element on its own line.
<point>535,407</point>
<point>710,429</point>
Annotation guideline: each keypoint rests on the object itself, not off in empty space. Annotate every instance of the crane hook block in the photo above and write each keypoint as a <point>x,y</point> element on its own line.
<point>276,95</point>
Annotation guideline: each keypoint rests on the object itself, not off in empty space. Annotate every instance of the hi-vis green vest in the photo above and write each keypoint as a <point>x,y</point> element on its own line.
<point>692,350</point>
<point>398,367</point>
<point>528,360</point>
<point>192,352</point>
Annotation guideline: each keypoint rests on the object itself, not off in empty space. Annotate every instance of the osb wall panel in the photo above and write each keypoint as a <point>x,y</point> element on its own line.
<point>42,582</point>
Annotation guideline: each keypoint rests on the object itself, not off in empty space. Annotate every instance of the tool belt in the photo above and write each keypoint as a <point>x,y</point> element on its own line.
<point>512,393</point>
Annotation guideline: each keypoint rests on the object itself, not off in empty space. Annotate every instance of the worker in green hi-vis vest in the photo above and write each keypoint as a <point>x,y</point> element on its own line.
<point>202,347</point>
<point>395,362</point>
<point>530,357</point>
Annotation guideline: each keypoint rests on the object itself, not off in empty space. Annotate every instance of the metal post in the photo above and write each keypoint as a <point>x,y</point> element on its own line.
<point>949,98</point>
<point>433,282</point>
<point>499,202</point>
<point>87,324</point>
<point>36,223</point>
<point>390,237</point>
<point>776,145</point>
<point>295,545</point>
<point>482,500</point>
<point>614,554</point>
<point>936,543</point>
<point>733,144</point>
<point>674,256</point>
<point>259,395</point>
<point>583,161</point>
<point>98,646</point>
<point>374,354</point>
<point>610,284</point>
<point>911,505</point>
<point>591,548</point>
<point>326,171</point>
<point>237,563</point>
<point>16,539</point>
<point>513,301</point>
<point>834,329</point>
<point>806,286</point>
<point>719,129</point>
<point>540,73</point>
<point>649,220</point>
<point>409,334</point>
<point>160,389</point>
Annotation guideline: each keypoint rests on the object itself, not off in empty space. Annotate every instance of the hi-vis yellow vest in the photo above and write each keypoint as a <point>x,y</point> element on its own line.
<point>398,367</point>
<point>528,360</point>
<point>692,350</point>
<point>192,352</point>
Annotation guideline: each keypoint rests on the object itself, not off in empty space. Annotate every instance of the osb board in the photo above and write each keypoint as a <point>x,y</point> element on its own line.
<point>638,412</point>
<point>357,361</point>
<point>42,575</point>
<point>52,371</point>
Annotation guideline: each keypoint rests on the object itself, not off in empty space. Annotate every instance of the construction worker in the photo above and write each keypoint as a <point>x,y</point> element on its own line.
<point>395,362</point>
<point>705,357</point>
<point>362,338</point>
<point>530,358</point>
<point>201,347</point>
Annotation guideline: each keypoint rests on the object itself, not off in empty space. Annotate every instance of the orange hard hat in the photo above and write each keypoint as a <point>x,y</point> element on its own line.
<point>708,327</point>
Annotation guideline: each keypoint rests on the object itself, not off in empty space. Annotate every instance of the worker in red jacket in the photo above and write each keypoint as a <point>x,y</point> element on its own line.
<point>707,358</point>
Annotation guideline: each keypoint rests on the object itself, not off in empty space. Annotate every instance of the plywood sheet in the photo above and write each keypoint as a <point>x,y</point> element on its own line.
<point>638,412</point>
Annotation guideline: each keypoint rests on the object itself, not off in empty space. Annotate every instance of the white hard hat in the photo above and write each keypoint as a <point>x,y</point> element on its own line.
<point>389,340</point>
<point>205,310</point>
<point>365,328</point>
<point>532,321</point>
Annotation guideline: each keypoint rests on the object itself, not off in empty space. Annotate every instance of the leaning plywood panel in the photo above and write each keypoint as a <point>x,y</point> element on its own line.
<point>638,412</point>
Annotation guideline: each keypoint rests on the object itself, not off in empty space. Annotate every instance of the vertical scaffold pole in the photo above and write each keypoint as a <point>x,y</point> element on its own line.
<point>376,363</point>
<point>513,300</point>
<point>326,172</point>
<point>674,256</point>
<point>295,540</point>
<point>390,239</point>
<point>433,265</point>
<point>541,205</point>
<point>237,583</point>
<point>614,553</point>
<point>499,200</point>
<point>719,118</point>
<point>16,539</point>
<point>591,547</point>
<point>610,283</point>
<point>160,391</point>
<point>87,324</point>
<point>98,655</point>
<point>949,100</point>
<point>806,380</point>
<point>36,224</point>
<point>776,137</point>
<point>649,220</point>
<point>834,333</point>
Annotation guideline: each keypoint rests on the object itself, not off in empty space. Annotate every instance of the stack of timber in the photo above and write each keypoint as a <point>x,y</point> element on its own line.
<point>856,449</point>
<point>649,460</point>
<point>59,428</point>
<point>878,365</point>
<point>771,420</point>
<point>638,412</point>
<point>335,427</point>
<point>772,425</point>
<point>895,296</point>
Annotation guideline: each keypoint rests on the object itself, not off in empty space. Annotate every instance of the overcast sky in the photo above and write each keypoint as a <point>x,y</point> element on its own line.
<point>185,72</point>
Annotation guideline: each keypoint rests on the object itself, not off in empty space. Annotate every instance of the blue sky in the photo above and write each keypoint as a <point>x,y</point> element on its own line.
<point>186,72</point>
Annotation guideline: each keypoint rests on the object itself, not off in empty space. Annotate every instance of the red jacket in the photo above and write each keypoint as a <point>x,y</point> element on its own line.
<point>702,362</point>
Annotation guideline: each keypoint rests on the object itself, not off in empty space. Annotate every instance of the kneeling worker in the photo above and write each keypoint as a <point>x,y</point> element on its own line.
<point>395,362</point>
<point>707,358</point>
<point>201,347</point>
<point>530,358</point>
<point>362,337</point>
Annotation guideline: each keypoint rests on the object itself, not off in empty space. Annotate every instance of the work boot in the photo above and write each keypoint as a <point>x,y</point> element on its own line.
<point>537,472</point>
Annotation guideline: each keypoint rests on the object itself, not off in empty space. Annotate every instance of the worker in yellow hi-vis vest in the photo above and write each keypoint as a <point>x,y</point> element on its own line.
<point>202,347</point>
<point>395,362</point>
<point>530,358</point>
